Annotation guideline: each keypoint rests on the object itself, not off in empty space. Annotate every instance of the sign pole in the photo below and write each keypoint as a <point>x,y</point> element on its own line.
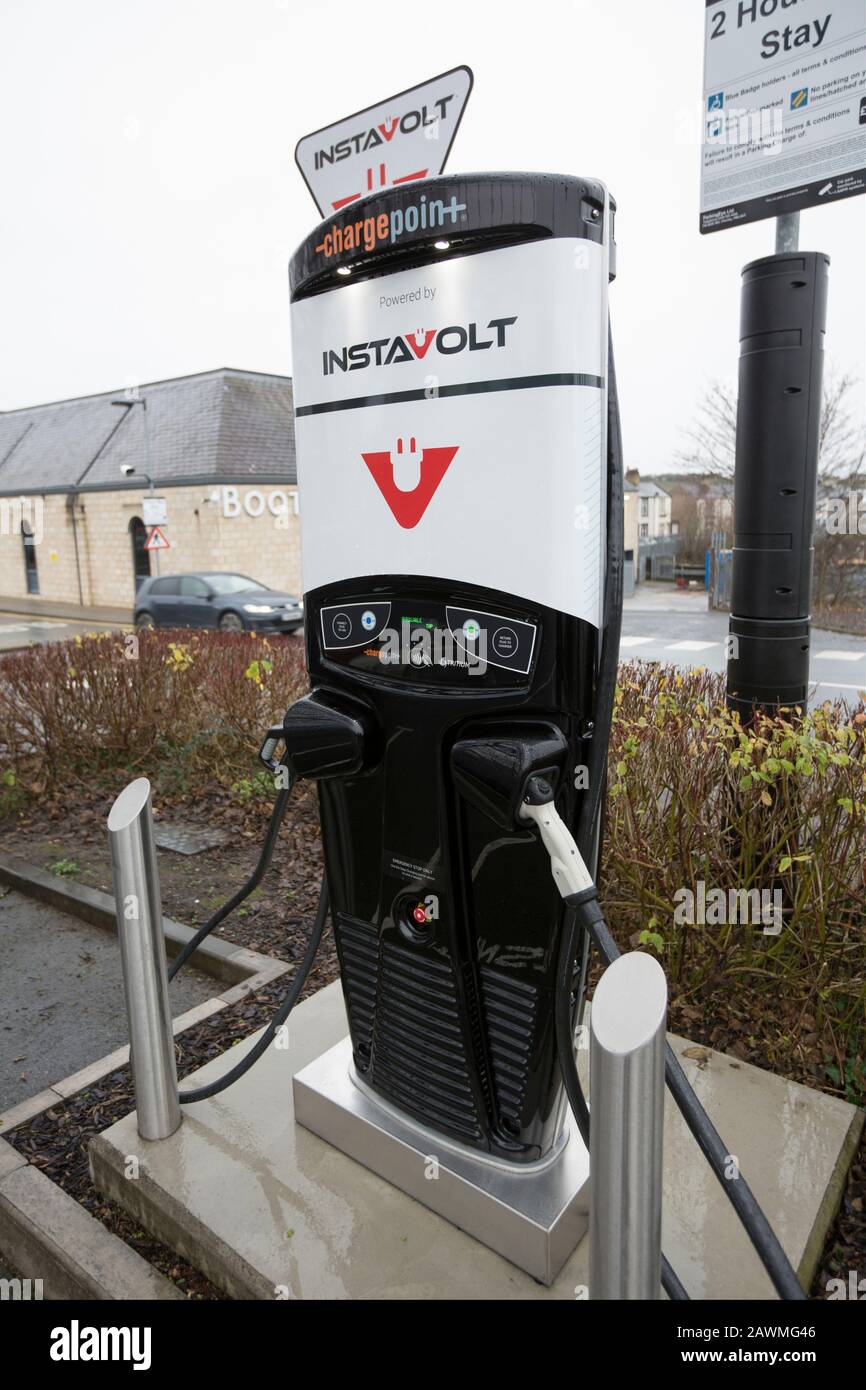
<point>787,233</point>
<point>784,128</point>
<point>149,467</point>
<point>783,309</point>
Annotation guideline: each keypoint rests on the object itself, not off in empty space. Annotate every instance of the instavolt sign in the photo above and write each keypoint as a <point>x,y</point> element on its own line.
<point>399,140</point>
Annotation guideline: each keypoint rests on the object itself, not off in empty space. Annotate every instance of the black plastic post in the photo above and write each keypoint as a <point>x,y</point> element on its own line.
<point>783,308</point>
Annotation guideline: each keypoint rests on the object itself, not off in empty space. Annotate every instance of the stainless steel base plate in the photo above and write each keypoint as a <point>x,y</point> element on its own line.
<point>534,1216</point>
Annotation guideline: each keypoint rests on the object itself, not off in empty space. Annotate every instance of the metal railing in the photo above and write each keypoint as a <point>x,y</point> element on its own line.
<point>142,948</point>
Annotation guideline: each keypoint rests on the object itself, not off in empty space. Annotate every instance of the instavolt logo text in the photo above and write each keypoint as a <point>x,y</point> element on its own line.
<point>366,233</point>
<point>413,347</point>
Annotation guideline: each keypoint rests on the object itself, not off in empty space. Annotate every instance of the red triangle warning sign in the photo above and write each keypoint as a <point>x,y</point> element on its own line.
<point>409,507</point>
<point>156,540</point>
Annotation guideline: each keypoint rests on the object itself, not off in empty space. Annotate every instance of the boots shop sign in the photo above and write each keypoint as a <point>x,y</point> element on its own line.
<point>253,502</point>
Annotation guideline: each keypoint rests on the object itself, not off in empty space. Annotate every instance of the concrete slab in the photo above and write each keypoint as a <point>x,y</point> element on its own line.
<point>534,1215</point>
<point>47,1233</point>
<point>10,1160</point>
<point>25,1110</point>
<point>265,1208</point>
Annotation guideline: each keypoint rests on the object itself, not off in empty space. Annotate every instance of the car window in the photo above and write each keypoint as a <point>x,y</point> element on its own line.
<point>192,586</point>
<point>232,583</point>
<point>169,585</point>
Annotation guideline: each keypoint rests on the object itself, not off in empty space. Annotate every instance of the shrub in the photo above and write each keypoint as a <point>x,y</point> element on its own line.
<point>178,707</point>
<point>780,805</point>
<point>693,796</point>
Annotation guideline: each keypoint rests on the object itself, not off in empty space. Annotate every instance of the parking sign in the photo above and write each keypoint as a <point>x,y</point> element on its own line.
<point>783,108</point>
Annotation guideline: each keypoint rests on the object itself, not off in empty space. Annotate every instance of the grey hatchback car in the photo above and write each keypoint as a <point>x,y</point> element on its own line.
<point>232,602</point>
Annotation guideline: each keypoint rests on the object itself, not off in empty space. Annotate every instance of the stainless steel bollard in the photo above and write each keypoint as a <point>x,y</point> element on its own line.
<point>142,949</point>
<point>627,1092</point>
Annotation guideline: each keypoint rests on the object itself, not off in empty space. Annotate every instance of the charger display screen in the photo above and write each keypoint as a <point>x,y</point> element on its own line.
<point>428,641</point>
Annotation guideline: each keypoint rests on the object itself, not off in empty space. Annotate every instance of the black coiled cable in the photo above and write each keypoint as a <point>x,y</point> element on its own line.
<point>303,970</point>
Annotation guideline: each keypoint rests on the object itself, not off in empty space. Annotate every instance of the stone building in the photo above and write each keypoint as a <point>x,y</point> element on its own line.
<point>75,475</point>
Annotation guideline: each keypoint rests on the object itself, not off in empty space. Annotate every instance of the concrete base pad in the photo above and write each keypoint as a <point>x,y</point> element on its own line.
<point>534,1216</point>
<point>267,1209</point>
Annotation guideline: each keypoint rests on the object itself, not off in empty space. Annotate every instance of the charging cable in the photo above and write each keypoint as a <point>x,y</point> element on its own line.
<point>577,889</point>
<point>303,970</point>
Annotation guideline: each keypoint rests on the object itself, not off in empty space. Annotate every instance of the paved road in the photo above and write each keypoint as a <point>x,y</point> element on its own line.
<point>661,624</point>
<point>63,1002</point>
<point>19,630</point>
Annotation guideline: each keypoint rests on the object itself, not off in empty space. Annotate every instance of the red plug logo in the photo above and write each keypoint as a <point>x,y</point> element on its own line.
<point>408,506</point>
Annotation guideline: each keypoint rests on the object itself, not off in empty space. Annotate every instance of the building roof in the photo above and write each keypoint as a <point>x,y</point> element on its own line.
<point>649,489</point>
<point>224,426</point>
<point>700,485</point>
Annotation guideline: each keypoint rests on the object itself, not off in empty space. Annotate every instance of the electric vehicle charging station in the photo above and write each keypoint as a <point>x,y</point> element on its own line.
<point>458,727</point>
<point>450,344</point>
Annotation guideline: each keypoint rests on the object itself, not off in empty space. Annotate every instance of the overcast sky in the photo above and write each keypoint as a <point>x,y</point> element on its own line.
<point>149,199</point>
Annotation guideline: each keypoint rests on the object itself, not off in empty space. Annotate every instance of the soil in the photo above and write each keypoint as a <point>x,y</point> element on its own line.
<point>273,919</point>
<point>754,1028</point>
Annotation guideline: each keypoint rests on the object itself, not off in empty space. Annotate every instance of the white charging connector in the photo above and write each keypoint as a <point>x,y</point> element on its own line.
<point>570,873</point>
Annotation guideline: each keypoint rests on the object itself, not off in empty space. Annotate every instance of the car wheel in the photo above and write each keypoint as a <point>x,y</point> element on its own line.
<point>144,620</point>
<point>230,622</point>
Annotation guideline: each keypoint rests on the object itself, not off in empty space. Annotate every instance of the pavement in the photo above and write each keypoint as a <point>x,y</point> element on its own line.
<point>674,626</point>
<point>21,630</point>
<point>66,1006</point>
<point>267,1209</point>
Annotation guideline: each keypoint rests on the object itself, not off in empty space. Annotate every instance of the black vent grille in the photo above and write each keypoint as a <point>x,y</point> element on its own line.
<point>419,1056</point>
<point>510,1009</point>
<point>360,969</point>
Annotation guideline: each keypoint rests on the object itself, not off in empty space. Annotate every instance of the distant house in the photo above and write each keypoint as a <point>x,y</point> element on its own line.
<point>702,503</point>
<point>655,511</point>
<point>656,541</point>
<point>218,446</point>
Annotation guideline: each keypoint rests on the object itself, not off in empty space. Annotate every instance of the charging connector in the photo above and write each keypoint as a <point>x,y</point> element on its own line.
<point>570,873</point>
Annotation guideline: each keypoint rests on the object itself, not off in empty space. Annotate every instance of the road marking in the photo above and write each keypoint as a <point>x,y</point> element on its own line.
<point>839,656</point>
<point>634,641</point>
<point>690,646</point>
<point>834,685</point>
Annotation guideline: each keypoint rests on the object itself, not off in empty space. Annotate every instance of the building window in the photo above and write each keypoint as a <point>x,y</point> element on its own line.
<point>644,506</point>
<point>140,556</point>
<point>31,572</point>
<point>644,530</point>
